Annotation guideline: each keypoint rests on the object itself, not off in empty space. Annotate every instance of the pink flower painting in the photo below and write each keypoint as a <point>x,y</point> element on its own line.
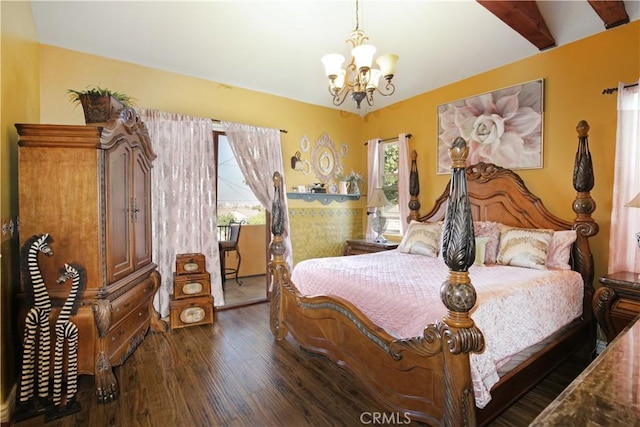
<point>503,127</point>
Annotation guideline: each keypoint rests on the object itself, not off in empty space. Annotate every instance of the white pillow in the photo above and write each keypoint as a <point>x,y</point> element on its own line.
<point>524,247</point>
<point>559,252</point>
<point>421,238</point>
<point>481,245</point>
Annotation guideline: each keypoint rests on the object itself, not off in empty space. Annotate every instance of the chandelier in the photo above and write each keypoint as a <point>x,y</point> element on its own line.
<point>359,78</point>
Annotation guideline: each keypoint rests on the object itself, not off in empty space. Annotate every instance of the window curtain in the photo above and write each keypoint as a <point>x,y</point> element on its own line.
<point>404,166</point>
<point>624,254</point>
<point>183,197</point>
<point>373,177</point>
<point>259,154</point>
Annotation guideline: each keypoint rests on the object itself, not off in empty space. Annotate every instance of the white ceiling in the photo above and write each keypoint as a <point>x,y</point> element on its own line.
<point>275,46</point>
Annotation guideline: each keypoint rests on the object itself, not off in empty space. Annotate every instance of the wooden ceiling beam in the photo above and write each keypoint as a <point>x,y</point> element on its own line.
<point>525,18</point>
<point>612,13</point>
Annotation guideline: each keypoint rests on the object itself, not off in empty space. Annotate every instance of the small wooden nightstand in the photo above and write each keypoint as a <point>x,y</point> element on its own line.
<point>617,302</point>
<point>363,246</point>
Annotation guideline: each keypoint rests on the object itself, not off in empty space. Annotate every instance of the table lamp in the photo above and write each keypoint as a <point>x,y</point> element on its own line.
<point>378,222</point>
<point>635,203</point>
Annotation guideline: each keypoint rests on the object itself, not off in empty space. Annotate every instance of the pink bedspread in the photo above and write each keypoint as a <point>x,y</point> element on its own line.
<point>516,307</point>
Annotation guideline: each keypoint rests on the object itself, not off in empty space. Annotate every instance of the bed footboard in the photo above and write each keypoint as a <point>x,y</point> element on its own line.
<point>427,378</point>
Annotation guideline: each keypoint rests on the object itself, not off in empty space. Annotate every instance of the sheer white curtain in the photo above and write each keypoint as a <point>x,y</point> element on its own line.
<point>373,177</point>
<point>373,171</point>
<point>403,180</point>
<point>183,197</point>
<point>624,254</point>
<point>259,154</point>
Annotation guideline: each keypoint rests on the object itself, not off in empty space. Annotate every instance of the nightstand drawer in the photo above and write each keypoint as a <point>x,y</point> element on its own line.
<point>362,246</point>
<point>617,302</point>
<point>627,308</point>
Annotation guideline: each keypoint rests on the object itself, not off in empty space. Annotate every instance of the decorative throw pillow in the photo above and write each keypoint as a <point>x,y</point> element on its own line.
<point>524,247</point>
<point>422,238</point>
<point>481,244</point>
<point>490,230</point>
<point>559,252</point>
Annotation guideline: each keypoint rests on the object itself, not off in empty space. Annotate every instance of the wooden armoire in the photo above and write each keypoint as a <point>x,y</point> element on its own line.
<point>89,187</point>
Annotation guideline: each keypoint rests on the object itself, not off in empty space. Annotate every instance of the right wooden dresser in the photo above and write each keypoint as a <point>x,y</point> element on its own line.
<point>617,302</point>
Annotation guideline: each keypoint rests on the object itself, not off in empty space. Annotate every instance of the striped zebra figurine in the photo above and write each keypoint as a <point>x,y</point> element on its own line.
<point>36,331</point>
<point>67,333</point>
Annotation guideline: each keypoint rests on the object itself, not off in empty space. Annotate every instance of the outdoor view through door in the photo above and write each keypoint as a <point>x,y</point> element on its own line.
<point>236,203</point>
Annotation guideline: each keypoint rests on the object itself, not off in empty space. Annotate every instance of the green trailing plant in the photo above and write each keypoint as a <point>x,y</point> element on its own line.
<point>125,99</point>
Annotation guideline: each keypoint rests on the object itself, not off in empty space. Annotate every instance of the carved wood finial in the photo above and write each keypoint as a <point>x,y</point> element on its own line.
<point>458,153</point>
<point>583,128</point>
<point>414,189</point>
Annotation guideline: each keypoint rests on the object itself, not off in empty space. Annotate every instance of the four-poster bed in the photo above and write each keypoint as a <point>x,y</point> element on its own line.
<point>428,376</point>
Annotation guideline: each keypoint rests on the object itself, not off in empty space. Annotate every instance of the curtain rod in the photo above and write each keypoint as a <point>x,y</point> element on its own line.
<point>610,90</point>
<point>390,139</point>
<point>219,121</point>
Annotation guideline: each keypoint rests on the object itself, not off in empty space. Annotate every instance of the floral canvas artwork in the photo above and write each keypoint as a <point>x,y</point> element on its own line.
<point>503,127</point>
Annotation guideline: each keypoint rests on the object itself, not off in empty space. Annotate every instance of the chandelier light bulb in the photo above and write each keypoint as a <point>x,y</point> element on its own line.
<point>339,81</point>
<point>332,64</point>
<point>387,64</point>
<point>374,78</point>
<point>363,56</point>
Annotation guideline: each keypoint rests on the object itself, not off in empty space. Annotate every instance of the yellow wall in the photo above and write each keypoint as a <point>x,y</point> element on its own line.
<point>19,102</point>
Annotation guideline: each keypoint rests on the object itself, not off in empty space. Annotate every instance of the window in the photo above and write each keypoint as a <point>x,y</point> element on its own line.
<point>389,152</point>
<point>236,201</point>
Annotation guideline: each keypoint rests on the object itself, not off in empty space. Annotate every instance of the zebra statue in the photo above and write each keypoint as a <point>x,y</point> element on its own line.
<point>67,332</point>
<point>37,320</point>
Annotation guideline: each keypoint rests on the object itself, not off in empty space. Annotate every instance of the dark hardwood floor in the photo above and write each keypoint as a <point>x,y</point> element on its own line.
<point>233,373</point>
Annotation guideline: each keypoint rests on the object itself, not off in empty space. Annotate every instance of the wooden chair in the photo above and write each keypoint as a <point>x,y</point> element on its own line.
<point>229,236</point>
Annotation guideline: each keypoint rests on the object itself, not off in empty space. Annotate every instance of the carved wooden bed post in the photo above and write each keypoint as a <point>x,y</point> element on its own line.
<point>459,296</point>
<point>278,266</point>
<point>584,205</point>
<point>584,224</point>
<point>414,189</point>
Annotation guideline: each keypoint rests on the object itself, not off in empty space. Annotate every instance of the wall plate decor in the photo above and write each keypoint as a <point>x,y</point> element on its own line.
<point>304,144</point>
<point>325,160</point>
<point>344,149</point>
<point>307,167</point>
<point>503,127</point>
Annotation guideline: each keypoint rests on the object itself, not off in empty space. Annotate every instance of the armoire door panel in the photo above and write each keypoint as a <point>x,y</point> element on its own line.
<point>118,242</point>
<point>142,214</point>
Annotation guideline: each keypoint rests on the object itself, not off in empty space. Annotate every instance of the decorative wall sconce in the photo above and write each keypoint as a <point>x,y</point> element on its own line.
<point>296,162</point>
